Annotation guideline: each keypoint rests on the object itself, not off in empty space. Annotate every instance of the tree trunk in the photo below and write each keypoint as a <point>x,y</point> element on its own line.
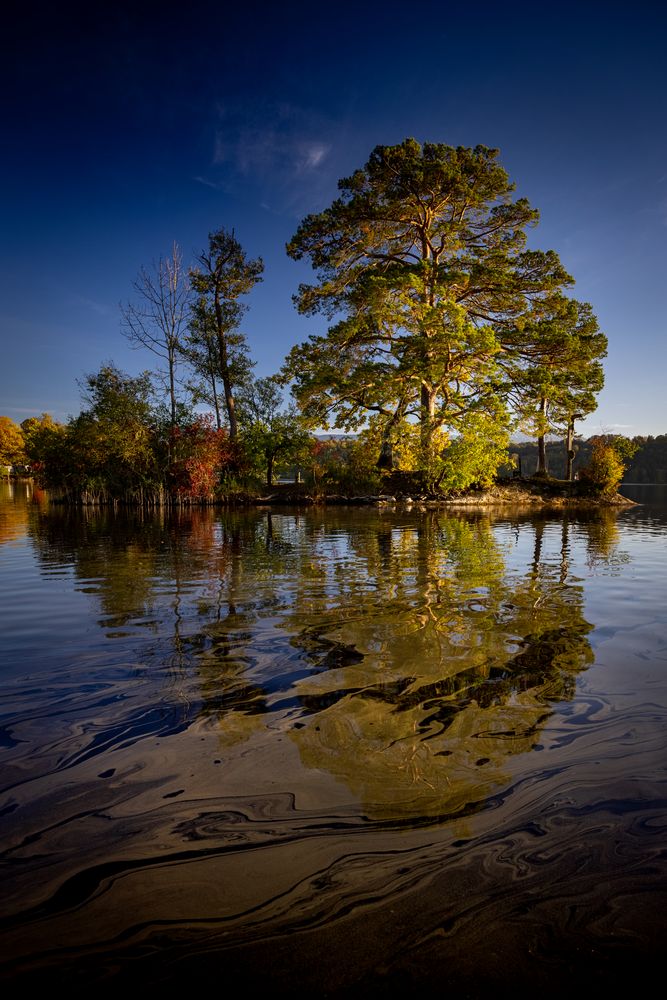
<point>428,399</point>
<point>216,403</point>
<point>541,443</point>
<point>224,371</point>
<point>172,400</point>
<point>214,388</point>
<point>569,444</point>
<point>229,402</point>
<point>386,458</point>
<point>542,469</point>
<point>269,470</point>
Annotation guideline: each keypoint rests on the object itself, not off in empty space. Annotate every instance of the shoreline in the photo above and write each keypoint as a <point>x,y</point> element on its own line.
<point>523,493</point>
<point>514,493</point>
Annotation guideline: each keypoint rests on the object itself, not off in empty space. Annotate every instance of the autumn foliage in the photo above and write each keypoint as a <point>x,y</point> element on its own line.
<point>201,455</point>
<point>605,469</point>
<point>11,442</point>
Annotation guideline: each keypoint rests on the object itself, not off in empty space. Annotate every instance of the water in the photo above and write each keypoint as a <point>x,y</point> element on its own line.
<point>341,751</point>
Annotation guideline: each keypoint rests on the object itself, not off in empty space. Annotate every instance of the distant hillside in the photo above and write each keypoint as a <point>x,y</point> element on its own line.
<point>649,464</point>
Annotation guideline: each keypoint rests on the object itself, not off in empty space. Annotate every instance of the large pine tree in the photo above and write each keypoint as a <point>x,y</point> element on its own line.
<point>423,269</point>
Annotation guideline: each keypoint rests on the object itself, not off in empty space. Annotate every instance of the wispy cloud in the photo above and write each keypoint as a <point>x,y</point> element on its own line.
<point>28,411</point>
<point>100,308</point>
<point>216,185</point>
<point>314,155</point>
<point>282,149</point>
<point>279,141</point>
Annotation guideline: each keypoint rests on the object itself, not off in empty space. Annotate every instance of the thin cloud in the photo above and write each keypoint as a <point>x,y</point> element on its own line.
<point>260,151</point>
<point>313,155</point>
<point>100,308</point>
<point>29,411</point>
<point>216,185</point>
<point>19,413</point>
<point>282,149</point>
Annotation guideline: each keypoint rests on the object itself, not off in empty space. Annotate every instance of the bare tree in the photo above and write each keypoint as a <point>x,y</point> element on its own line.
<point>158,319</point>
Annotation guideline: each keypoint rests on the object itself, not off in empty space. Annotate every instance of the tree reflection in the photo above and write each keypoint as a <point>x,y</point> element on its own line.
<point>13,510</point>
<point>411,656</point>
<point>456,662</point>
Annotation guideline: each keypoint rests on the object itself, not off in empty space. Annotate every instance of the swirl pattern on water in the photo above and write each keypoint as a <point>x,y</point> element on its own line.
<point>347,747</point>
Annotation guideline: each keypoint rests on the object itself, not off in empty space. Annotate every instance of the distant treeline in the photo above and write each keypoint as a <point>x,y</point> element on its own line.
<point>648,464</point>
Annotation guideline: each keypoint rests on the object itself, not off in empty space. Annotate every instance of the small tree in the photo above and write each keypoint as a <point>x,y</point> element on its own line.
<point>201,452</point>
<point>201,354</point>
<point>271,432</point>
<point>474,456</point>
<point>223,275</point>
<point>110,446</point>
<point>327,458</point>
<point>553,369</point>
<point>12,443</point>
<point>43,441</point>
<point>605,469</point>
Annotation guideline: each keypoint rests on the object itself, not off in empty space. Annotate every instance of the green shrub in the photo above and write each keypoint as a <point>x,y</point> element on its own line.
<point>605,470</point>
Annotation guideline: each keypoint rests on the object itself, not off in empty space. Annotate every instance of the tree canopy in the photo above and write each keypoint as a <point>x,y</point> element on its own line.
<point>272,432</point>
<point>423,268</point>
<point>12,442</point>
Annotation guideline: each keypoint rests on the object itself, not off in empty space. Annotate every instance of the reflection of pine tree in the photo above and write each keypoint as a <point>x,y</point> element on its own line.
<point>455,663</point>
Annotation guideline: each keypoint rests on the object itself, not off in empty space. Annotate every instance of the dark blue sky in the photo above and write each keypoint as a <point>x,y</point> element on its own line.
<point>125,130</point>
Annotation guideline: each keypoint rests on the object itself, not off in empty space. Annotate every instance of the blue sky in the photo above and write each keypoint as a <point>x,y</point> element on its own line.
<point>126,130</point>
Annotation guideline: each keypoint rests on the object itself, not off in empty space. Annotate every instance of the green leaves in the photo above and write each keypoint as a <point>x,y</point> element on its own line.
<point>445,313</point>
<point>11,442</point>
<point>271,433</point>
<point>224,269</point>
<point>224,275</point>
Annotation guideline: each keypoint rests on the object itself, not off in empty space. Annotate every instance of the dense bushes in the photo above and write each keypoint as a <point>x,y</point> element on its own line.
<point>605,469</point>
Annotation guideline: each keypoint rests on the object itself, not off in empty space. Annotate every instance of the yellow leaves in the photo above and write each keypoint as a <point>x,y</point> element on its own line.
<point>11,442</point>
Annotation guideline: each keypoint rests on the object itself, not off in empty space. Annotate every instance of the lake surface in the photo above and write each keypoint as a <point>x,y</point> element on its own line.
<point>341,751</point>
